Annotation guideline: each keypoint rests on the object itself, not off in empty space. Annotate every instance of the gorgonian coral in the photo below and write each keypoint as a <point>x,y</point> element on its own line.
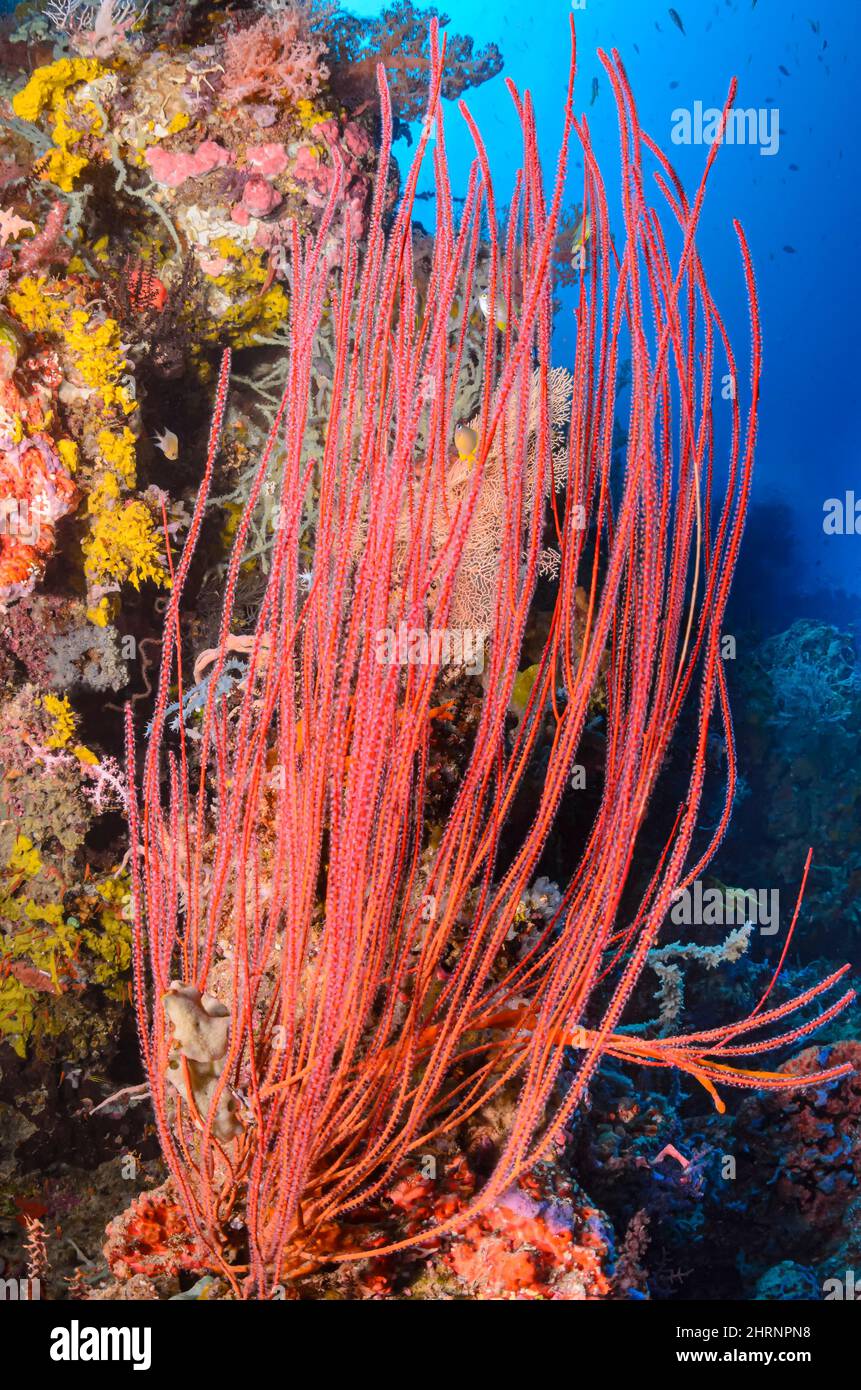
<point>285,881</point>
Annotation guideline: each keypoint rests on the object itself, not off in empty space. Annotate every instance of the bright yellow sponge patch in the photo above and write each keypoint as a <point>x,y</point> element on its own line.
<point>124,547</point>
<point>69,453</point>
<point>63,717</point>
<point>118,451</point>
<point>24,859</point>
<point>48,85</point>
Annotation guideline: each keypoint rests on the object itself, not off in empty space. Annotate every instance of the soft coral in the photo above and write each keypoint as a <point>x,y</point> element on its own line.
<point>278,58</point>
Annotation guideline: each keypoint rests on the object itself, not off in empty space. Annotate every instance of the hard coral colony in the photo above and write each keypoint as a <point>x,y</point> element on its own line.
<point>322,585</point>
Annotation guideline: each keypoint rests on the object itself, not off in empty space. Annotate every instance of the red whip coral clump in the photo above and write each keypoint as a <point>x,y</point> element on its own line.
<point>278,59</point>
<point>152,1237</point>
<point>288,868</point>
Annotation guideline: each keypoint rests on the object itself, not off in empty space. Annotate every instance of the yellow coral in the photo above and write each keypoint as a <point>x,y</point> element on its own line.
<point>118,450</point>
<point>250,315</point>
<point>99,357</point>
<point>111,944</point>
<point>50,913</point>
<point>308,115</point>
<point>30,303</point>
<point>96,347</point>
<point>16,429</point>
<point>25,859</point>
<point>17,1014</point>
<point>105,495</point>
<point>100,615</point>
<point>69,453</point>
<point>47,86</point>
<point>61,167</point>
<point>64,720</point>
<point>123,547</point>
<point>47,92</point>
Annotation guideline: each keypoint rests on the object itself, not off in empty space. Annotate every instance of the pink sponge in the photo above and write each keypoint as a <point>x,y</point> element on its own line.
<point>172,168</point>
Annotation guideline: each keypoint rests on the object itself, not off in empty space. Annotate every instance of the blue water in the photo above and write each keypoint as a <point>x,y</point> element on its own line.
<point>804,196</point>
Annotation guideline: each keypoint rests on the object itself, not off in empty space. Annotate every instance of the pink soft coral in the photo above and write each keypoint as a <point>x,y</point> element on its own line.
<point>278,58</point>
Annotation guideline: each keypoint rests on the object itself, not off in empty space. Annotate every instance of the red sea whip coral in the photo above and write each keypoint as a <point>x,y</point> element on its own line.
<point>354,1039</point>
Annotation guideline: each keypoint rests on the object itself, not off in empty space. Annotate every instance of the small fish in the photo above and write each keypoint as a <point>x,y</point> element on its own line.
<point>636,48</point>
<point>501,311</point>
<point>785,71</point>
<point>677,20</point>
<point>794,168</point>
<point>790,250</point>
<point>673,86</point>
<point>465,441</point>
<point>522,689</point>
<point>168,443</point>
<point>582,233</point>
<point>594,91</point>
<point>814,24</point>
